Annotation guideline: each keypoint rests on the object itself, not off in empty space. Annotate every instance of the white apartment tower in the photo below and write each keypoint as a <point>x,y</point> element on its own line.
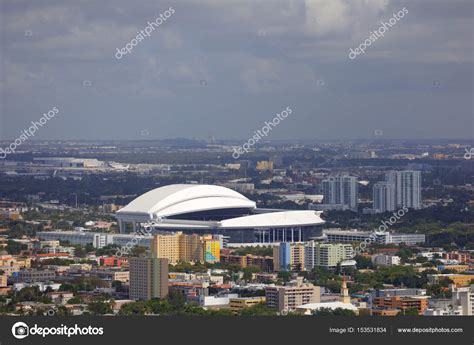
<point>406,185</point>
<point>341,190</point>
<point>384,197</point>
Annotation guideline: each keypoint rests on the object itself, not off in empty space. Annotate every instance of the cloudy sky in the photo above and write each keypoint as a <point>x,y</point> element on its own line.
<point>222,68</point>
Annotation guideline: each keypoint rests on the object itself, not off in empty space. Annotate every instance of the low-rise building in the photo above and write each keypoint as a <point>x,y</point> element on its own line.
<point>403,303</point>
<point>457,268</point>
<point>238,303</point>
<point>112,275</point>
<point>460,257</point>
<point>60,297</point>
<point>386,260</point>
<point>264,262</point>
<point>213,302</point>
<point>112,261</point>
<point>309,309</point>
<point>33,275</point>
<point>457,279</point>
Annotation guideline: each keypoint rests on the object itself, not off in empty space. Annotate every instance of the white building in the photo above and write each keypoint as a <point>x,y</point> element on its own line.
<point>383,197</point>
<point>101,240</point>
<point>341,190</point>
<point>308,309</point>
<point>216,301</point>
<point>462,303</point>
<point>408,239</point>
<point>463,298</point>
<point>407,187</point>
<point>386,260</point>
<point>97,239</point>
<point>326,255</point>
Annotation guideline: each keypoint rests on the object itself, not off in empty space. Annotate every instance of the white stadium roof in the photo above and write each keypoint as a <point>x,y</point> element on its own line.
<point>283,219</point>
<point>185,198</point>
<point>180,199</point>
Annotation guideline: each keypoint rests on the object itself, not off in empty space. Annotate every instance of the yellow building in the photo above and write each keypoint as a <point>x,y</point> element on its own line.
<point>212,249</point>
<point>13,264</point>
<point>186,248</point>
<point>296,253</point>
<point>10,214</point>
<point>457,279</point>
<point>462,279</point>
<point>166,246</point>
<point>264,165</point>
<point>457,268</point>
<point>190,248</point>
<point>3,280</point>
<point>239,303</point>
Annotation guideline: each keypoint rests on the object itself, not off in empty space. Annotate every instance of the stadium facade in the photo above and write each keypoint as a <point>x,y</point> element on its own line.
<point>193,208</point>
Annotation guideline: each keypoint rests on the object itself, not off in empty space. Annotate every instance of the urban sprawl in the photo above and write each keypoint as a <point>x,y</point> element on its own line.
<point>173,227</point>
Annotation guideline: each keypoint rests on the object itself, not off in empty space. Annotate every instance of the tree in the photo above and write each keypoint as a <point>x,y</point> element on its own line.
<point>257,250</point>
<point>75,300</point>
<point>100,306</point>
<point>14,248</point>
<point>410,311</point>
<point>284,275</point>
<point>249,271</point>
<point>118,285</point>
<point>405,254</point>
<point>258,310</point>
<point>137,251</point>
<point>176,299</point>
<point>333,312</point>
<point>363,262</point>
<point>31,294</point>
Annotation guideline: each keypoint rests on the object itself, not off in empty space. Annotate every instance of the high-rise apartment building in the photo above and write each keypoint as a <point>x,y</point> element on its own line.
<point>166,246</point>
<point>326,255</point>
<point>190,248</point>
<point>290,296</point>
<point>288,257</point>
<point>187,248</point>
<point>341,190</point>
<point>407,188</point>
<point>148,278</point>
<point>212,249</point>
<point>383,197</point>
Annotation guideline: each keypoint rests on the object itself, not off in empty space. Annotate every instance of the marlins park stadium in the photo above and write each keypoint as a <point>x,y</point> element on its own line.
<point>208,209</point>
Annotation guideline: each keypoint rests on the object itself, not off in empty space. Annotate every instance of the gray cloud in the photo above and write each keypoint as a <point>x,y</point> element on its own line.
<point>226,67</point>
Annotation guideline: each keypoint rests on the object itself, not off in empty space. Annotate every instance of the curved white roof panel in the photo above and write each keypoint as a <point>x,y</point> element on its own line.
<point>185,198</point>
<point>274,219</point>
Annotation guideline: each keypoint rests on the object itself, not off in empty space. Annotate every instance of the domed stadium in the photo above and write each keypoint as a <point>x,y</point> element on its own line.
<point>193,208</point>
